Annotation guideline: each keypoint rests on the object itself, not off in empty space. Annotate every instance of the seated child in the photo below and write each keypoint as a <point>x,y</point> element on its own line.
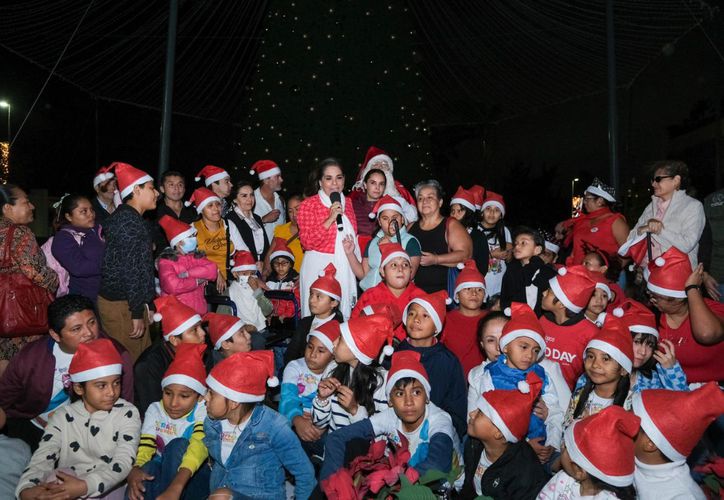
<point>182,271</point>
<point>251,304</point>
<point>461,325</point>
<point>250,445</point>
<point>424,320</point>
<point>507,467</point>
<point>427,430</point>
<point>672,423</point>
<point>283,277</point>
<point>89,445</point>
<point>228,335</point>
<point>180,325</point>
<point>355,389</point>
<point>172,456</point>
<point>597,458</point>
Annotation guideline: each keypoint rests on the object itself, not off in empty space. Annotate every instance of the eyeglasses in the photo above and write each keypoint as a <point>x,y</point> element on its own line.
<point>654,297</point>
<point>589,198</point>
<point>660,178</point>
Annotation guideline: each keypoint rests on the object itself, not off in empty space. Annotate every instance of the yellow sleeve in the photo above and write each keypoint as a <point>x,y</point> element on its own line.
<point>196,453</point>
<point>146,449</point>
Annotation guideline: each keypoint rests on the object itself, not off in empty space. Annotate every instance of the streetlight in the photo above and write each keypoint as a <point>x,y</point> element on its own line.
<point>574,202</point>
<point>573,183</point>
<point>5,104</point>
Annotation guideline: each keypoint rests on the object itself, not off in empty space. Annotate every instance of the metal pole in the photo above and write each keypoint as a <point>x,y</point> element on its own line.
<point>612,108</point>
<point>10,135</point>
<point>168,88</point>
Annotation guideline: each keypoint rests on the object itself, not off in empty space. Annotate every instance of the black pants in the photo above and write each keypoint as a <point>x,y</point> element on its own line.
<point>22,428</point>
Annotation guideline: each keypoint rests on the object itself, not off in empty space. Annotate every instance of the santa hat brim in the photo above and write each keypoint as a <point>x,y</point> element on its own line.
<point>500,206</point>
<point>560,295</point>
<point>677,294</point>
<point>597,191</point>
<point>328,344</point>
<point>626,247</point>
<point>328,293</point>
<point>97,372</point>
<point>182,327</point>
<point>406,373</point>
<point>186,381</point>
<point>605,288</point>
<point>182,236</point>
<point>430,310</point>
<point>487,409</point>
<point>101,178</point>
<point>141,180</point>
<point>580,459</point>
<point>281,253</point>
<point>644,329</point>
<point>653,432</point>
<point>531,334</point>
<point>394,255</point>
<point>210,199</point>
<point>269,173</point>
<point>228,334</point>
<point>612,351</point>
<point>228,393</point>
<point>388,206</point>
<point>463,202</point>
<point>552,247</point>
<point>245,267</point>
<point>349,340</point>
<point>216,177</point>
<point>468,284</point>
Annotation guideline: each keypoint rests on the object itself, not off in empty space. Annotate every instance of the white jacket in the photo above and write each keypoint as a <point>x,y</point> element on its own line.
<point>670,481</point>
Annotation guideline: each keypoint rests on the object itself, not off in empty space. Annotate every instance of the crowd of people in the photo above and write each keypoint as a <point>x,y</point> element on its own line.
<point>230,343</point>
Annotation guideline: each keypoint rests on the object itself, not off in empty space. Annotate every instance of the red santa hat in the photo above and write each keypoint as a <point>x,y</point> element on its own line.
<point>406,364</point>
<point>327,333</point>
<point>523,323</point>
<point>391,251</point>
<point>469,277</point>
<point>104,174</point>
<point>265,169</point>
<point>242,260</point>
<point>573,286</point>
<point>279,248</point>
<point>187,368</point>
<point>174,316</point>
<point>637,317</point>
<point>390,309</point>
<point>222,327</point>
<point>375,155</point>
<point>176,231</point>
<point>326,283</point>
<point>615,340</point>
<point>478,193</point>
<point>636,248</point>
<point>365,336</point>
<point>435,304</point>
<point>463,197</point>
<point>211,174</point>
<point>510,410</point>
<point>95,359</point>
<point>494,200</point>
<point>676,420</point>
<point>387,202</point>
<point>128,176</point>
<point>200,198</point>
<point>244,376</point>
<point>603,445</point>
<point>602,284</point>
<point>667,274</point>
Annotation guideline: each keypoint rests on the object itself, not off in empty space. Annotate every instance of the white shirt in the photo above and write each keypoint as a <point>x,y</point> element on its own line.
<point>229,436</point>
<point>483,465</point>
<point>262,207</point>
<point>257,232</point>
<point>564,487</point>
<point>59,396</point>
<point>247,307</point>
<point>670,481</point>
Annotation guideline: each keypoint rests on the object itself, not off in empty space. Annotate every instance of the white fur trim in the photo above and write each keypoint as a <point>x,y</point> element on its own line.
<point>430,310</point>
<point>394,255</point>
<point>388,206</point>
<point>328,344</point>
<point>101,178</point>
<point>400,374</point>
<point>531,334</point>
<point>623,249</point>
<point>244,267</point>
<point>185,380</point>
<point>216,177</point>
<point>228,333</point>
<point>552,247</point>
<point>208,200</point>
<point>490,412</point>
<point>494,203</point>
<point>612,351</point>
<point>281,253</point>
<point>97,372</point>
<point>583,462</point>
<point>605,288</point>
<point>349,340</point>
<point>653,432</point>
<point>228,393</point>
<point>677,294</point>
<point>269,173</point>
<point>558,292</point>
<point>182,327</point>
<point>463,202</point>
<point>141,180</point>
<point>330,294</point>
<point>182,236</point>
<point>468,284</point>
<point>595,190</point>
<point>644,329</point>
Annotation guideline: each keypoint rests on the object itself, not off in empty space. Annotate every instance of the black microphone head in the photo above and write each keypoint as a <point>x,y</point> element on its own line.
<point>335,197</point>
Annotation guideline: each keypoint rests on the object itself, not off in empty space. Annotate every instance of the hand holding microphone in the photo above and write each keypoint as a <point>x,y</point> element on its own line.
<point>335,197</point>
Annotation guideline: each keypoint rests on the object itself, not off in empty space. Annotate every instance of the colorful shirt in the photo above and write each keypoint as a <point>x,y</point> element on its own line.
<point>299,388</point>
<point>229,436</point>
<point>564,487</point>
<point>59,396</point>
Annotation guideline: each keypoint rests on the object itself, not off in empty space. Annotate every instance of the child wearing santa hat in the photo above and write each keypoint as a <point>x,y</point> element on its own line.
<point>284,278</point>
<point>598,304</point>
<point>89,445</point>
<point>217,180</point>
<point>672,423</point>
<point>464,208</point>
<point>172,456</point>
<point>228,335</point>
<point>248,295</point>
<point>499,242</point>
<point>250,445</point>
<point>506,466</point>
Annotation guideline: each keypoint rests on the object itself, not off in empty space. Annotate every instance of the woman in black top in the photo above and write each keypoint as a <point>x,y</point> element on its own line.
<point>250,225</point>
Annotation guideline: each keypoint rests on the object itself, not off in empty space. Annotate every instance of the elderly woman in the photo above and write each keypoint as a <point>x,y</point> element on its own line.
<point>444,241</point>
<point>249,224</point>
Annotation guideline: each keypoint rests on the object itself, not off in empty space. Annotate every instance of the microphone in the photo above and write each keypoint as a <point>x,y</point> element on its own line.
<point>335,197</point>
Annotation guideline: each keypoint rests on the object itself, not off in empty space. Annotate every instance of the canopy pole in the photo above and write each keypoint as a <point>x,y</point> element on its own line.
<point>168,88</point>
<point>612,108</point>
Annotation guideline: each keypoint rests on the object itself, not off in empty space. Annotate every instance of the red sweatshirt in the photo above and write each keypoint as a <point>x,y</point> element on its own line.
<point>460,335</point>
<point>380,294</point>
<point>565,345</point>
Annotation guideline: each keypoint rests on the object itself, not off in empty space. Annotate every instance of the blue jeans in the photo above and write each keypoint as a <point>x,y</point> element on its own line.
<point>164,469</point>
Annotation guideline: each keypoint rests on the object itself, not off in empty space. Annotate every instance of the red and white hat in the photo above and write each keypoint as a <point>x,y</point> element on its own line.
<point>615,340</point>
<point>391,251</point>
<point>174,316</point>
<point>478,195</point>
<point>523,323</point>
<point>365,336</point>
<point>469,277</point>
<point>104,174</point>
<point>387,202</point>
<point>494,200</point>
<point>200,198</point>
<point>95,359</point>
<point>265,169</point>
<point>573,286</point>
<point>463,197</point>
<point>279,248</point>
<point>603,445</point>
<point>406,364</point>
<point>327,333</point>
<point>676,420</point>
<point>327,284</point>
<point>435,304</point>
<point>602,283</point>
<point>242,260</point>
<point>510,410</point>
<point>222,327</point>
<point>637,317</point>
<point>244,376</point>
<point>187,368</point>
<point>667,274</point>
<point>128,176</point>
<point>390,309</point>
<point>636,248</point>
<point>376,155</point>
<point>176,231</point>
<point>211,174</point>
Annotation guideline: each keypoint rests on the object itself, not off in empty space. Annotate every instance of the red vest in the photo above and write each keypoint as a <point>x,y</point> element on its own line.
<point>565,345</point>
<point>380,294</point>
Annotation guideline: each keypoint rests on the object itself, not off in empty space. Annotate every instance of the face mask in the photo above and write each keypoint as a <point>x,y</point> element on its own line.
<point>243,279</point>
<point>189,245</point>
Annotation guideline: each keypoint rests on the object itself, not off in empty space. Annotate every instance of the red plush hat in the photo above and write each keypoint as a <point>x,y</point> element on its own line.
<point>637,317</point>
<point>389,309</point>
<point>573,286</point>
<point>327,284</point>
<point>187,368</point>
<point>469,277</point>
<point>615,340</point>
<point>176,231</point>
<point>478,196</point>
<point>435,304</point>
<point>387,202</point>
<point>523,323</point>
<point>222,327</point>
<point>104,174</point>
<point>265,169</point>
<point>128,176</point>
<point>603,445</point>
<point>667,274</point>
<point>463,197</point>
<point>494,200</point>
<point>406,364</point>
<point>211,174</point>
<point>676,420</point>
<point>242,260</point>
<point>375,155</point>
<point>391,251</point>
<point>95,359</point>
<point>327,333</point>
<point>200,198</point>
<point>636,248</point>
<point>175,317</point>
<point>243,377</point>
<point>510,410</point>
<point>365,336</point>
<point>279,248</point>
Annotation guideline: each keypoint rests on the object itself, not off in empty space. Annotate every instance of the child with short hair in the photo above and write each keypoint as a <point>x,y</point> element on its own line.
<point>672,423</point>
<point>246,292</point>
<point>89,445</point>
<point>499,241</point>
<point>250,445</point>
<point>228,335</point>
<point>171,457</point>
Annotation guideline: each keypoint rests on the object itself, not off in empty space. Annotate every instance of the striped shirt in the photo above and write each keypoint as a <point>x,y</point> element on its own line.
<point>329,413</point>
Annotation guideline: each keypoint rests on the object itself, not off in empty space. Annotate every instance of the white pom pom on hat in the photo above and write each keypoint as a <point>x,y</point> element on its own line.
<point>272,381</point>
<point>251,172</point>
<point>187,203</point>
<point>660,261</point>
<point>508,312</point>
<point>388,350</point>
<point>197,179</point>
<point>157,317</point>
<point>371,215</point>
<point>562,271</point>
<point>448,301</point>
<point>523,387</point>
<point>618,312</point>
<point>460,265</point>
<point>231,262</point>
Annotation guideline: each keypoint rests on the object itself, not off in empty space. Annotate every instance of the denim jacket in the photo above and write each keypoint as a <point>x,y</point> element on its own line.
<point>255,468</point>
